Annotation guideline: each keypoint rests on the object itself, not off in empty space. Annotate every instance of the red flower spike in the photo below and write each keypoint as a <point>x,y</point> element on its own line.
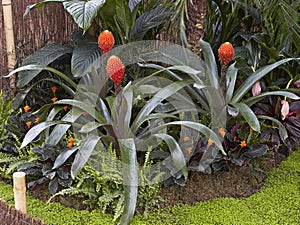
<point>115,69</point>
<point>225,53</point>
<point>106,41</point>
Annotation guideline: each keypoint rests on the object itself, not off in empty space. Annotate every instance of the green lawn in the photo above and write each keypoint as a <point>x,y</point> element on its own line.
<point>277,203</point>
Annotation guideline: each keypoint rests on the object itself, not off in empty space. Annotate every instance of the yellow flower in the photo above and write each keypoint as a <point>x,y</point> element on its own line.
<point>54,88</point>
<point>222,132</point>
<point>243,144</point>
<point>209,142</point>
<point>26,108</point>
<point>28,124</point>
<point>185,139</point>
<point>37,120</point>
<point>54,99</point>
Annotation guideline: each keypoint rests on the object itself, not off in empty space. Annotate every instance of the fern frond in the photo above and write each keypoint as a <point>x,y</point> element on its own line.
<point>7,158</point>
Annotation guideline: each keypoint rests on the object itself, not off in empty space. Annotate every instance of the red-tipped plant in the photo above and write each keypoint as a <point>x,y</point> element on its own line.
<point>225,53</point>
<point>106,41</point>
<point>115,69</point>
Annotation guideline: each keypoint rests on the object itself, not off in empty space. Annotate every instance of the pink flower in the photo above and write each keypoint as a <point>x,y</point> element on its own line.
<point>297,83</point>
<point>285,108</point>
<point>256,89</point>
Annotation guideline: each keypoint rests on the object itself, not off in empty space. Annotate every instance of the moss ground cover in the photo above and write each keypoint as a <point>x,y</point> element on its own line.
<point>277,203</point>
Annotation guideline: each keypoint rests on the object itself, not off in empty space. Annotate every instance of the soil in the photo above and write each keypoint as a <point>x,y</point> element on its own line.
<point>236,182</point>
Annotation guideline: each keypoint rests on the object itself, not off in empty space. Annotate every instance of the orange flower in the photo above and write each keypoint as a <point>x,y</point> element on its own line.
<point>84,113</point>
<point>115,69</point>
<point>26,108</point>
<point>185,139</point>
<point>209,142</point>
<point>222,132</point>
<point>234,138</point>
<point>54,99</point>
<point>243,144</point>
<point>225,53</point>
<point>28,124</point>
<point>54,88</point>
<point>251,130</point>
<point>106,41</point>
<point>37,120</point>
<point>70,142</point>
<point>189,150</point>
<point>65,108</point>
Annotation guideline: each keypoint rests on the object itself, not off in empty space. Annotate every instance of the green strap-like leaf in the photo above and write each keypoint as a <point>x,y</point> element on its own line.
<point>176,153</point>
<point>83,12</point>
<point>231,76</point>
<point>37,129</point>
<point>63,157</point>
<point>37,5</point>
<point>130,179</point>
<point>26,79</point>
<point>252,100</point>
<point>156,99</point>
<point>256,76</point>
<point>82,156</point>
<point>248,115</point>
<point>281,127</point>
<point>210,62</point>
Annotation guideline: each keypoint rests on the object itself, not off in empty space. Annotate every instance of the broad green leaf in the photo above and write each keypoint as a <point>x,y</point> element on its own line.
<point>26,79</point>
<point>256,76</point>
<point>210,61</point>
<point>82,156</point>
<point>83,12</point>
<point>231,76</point>
<point>123,16</point>
<point>85,56</point>
<point>37,129</point>
<point>281,127</point>
<point>156,99</point>
<point>43,57</point>
<point>63,157</point>
<point>130,179</point>
<point>148,20</point>
<point>176,153</point>
<point>252,100</point>
<point>248,115</point>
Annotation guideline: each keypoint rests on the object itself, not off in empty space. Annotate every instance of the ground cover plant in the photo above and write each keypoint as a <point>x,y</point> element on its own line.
<point>115,116</point>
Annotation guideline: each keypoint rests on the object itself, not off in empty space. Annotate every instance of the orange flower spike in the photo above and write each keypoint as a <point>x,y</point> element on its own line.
<point>115,69</point>
<point>65,108</point>
<point>106,41</point>
<point>54,88</point>
<point>222,132</point>
<point>26,108</point>
<point>71,140</point>
<point>37,120</point>
<point>243,144</point>
<point>54,99</point>
<point>225,53</point>
<point>185,139</point>
<point>189,150</point>
<point>28,124</point>
<point>209,142</point>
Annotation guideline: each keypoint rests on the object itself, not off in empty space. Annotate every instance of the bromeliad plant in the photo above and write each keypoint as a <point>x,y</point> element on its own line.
<point>119,120</point>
